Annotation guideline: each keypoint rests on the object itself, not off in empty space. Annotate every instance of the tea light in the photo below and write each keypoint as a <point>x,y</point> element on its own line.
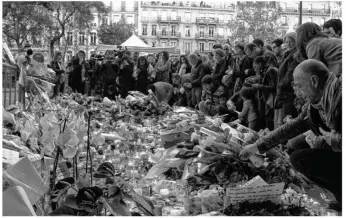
<point>164,192</point>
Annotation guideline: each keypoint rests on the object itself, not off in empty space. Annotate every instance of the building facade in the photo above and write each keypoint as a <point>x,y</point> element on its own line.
<point>318,12</point>
<point>188,26</point>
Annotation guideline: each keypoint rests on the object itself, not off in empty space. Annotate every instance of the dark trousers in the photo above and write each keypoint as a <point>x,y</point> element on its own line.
<point>108,82</point>
<point>59,88</point>
<point>321,166</point>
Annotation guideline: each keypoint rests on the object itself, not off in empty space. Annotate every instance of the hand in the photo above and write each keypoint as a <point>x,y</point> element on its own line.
<point>237,121</point>
<point>255,86</point>
<point>246,72</point>
<point>249,150</point>
<point>83,79</point>
<point>327,136</point>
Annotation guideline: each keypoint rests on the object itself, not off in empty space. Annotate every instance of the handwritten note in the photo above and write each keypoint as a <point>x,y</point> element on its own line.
<point>9,156</point>
<point>270,192</point>
<point>256,181</point>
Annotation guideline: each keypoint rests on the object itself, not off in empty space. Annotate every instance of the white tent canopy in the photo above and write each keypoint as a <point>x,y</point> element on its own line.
<point>134,41</point>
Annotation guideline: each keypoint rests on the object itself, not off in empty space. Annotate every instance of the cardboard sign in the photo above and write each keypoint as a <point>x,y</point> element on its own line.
<point>256,181</point>
<point>16,203</point>
<point>24,174</point>
<point>270,192</point>
<point>9,156</point>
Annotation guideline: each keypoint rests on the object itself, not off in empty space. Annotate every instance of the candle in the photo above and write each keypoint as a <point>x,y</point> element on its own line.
<point>164,192</point>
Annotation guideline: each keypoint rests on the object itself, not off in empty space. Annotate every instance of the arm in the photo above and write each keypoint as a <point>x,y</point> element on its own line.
<point>56,70</point>
<point>164,67</point>
<point>219,71</point>
<point>313,51</point>
<point>272,84</point>
<point>202,73</point>
<point>169,95</point>
<point>242,115</point>
<point>287,131</point>
<point>286,82</point>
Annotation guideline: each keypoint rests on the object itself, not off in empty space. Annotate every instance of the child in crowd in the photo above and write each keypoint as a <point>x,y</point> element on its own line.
<point>249,114</point>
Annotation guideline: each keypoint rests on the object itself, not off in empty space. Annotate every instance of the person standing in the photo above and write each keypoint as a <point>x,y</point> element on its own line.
<point>277,50</point>
<point>79,70</point>
<point>163,67</point>
<point>60,75</point>
<point>109,71</point>
<point>220,65</point>
<point>141,75</point>
<point>125,80</point>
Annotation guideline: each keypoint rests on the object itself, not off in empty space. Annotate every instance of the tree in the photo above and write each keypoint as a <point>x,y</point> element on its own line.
<point>116,33</point>
<point>23,20</point>
<point>257,19</point>
<point>76,15</point>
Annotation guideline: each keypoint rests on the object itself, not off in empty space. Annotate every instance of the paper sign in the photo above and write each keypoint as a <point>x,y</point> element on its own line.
<point>10,156</point>
<point>256,181</point>
<point>270,192</point>
<point>24,174</point>
<point>16,203</point>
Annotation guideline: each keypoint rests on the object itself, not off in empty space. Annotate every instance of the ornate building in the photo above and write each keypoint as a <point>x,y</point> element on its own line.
<point>189,26</point>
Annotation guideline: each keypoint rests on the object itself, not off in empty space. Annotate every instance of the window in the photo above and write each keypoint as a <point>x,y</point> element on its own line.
<point>174,15</point>
<point>153,30</point>
<point>154,15</point>
<point>144,30</point>
<point>296,7</point>
<point>153,44</point>
<point>187,31</point>
<point>310,19</point>
<point>145,15</point>
<point>130,19</point>
<point>323,8</point>
<point>203,15</point>
<point>81,38</point>
<point>296,20</point>
<point>164,15</point>
<point>187,16</point>
<point>221,18</point>
<point>201,46</point>
<point>201,31</point>
<point>164,31</point>
<point>284,6</point>
<point>130,5</point>
<point>284,20</point>
<point>173,44</point>
<point>187,47</point>
<point>174,30</point>
<point>221,31</point>
<point>211,46</point>
<point>229,17</point>
<point>93,38</point>
<point>105,20</point>
<point>116,18</point>
<point>69,38</point>
<point>211,31</point>
<point>323,20</point>
<point>310,7</point>
<point>163,44</point>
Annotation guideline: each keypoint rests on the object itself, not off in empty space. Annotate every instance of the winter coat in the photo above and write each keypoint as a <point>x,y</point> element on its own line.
<point>197,74</point>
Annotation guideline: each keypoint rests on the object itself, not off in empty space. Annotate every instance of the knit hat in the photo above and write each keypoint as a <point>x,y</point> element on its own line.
<point>105,170</point>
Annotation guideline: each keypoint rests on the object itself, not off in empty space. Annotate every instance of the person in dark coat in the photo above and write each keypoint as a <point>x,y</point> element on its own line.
<point>125,76</point>
<point>220,65</point>
<point>141,75</point>
<point>59,70</point>
<point>80,68</point>
<point>109,71</point>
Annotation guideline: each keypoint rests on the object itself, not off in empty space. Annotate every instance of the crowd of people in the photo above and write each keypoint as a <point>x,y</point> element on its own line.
<point>289,86</point>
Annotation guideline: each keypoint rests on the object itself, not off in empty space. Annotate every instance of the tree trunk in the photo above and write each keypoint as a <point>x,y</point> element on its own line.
<point>51,48</point>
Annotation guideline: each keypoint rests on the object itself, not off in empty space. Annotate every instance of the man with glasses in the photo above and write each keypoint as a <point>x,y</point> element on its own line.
<point>277,50</point>
<point>322,91</point>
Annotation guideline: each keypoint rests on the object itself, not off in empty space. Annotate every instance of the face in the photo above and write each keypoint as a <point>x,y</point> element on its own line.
<point>151,60</point>
<point>182,60</point>
<point>258,49</point>
<point>207,87</point>
<point>290,44</point>
<point>59,58</point>
<point>306,87</point>
<point>81,56</point>
<point>257,68</point>
<point>193,61</point>
<point>238,51</point>
<point>330,31</point>
<point>216,57</point>
<point>227,49</point>
<point>248,52</point>
<point>135,56</point>
<point>141,62</point>
<point>276,49</point>
<point>160,56</point>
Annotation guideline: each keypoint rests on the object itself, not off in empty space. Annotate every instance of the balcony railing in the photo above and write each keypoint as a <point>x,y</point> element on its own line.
<point>169,19</point>
<point>306,11</point>
<point>207,36</point>
<point>185,4</point>
<point>168,34</point>
<point>207,20</point>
